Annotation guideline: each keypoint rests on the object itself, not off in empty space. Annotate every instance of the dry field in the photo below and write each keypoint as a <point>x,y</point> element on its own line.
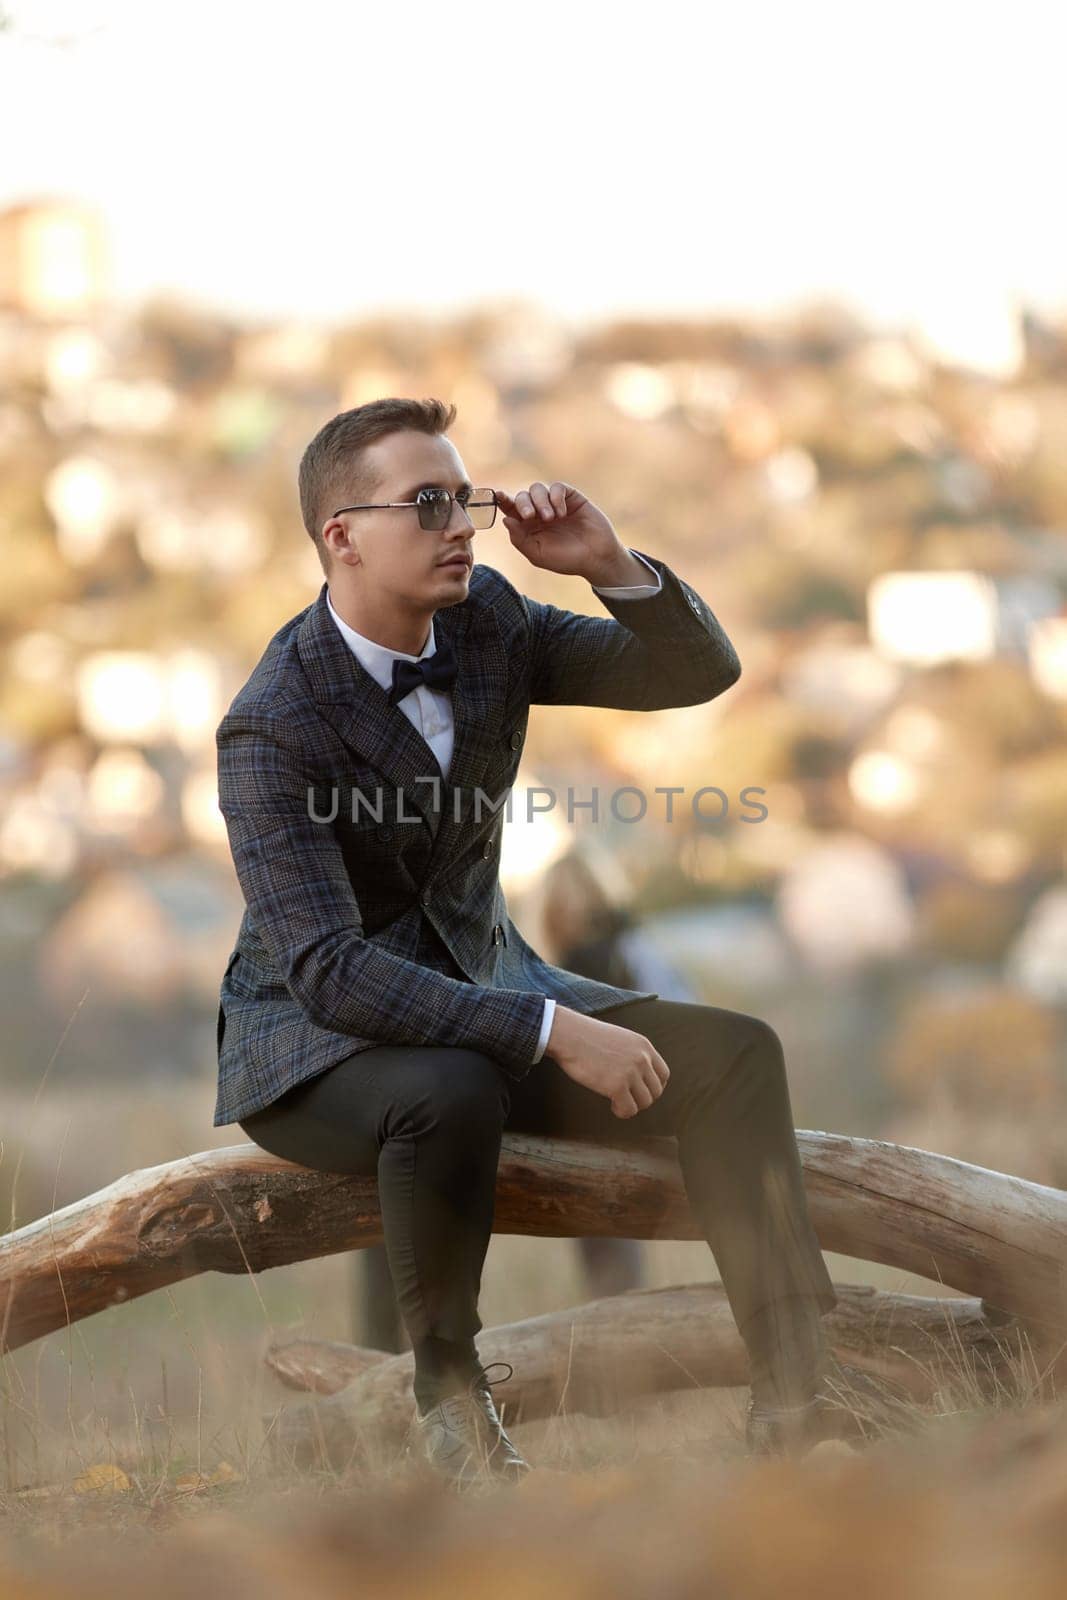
<point>138,1447</point>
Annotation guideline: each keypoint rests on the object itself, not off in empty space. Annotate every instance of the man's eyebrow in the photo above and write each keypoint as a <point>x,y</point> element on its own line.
<point>431,483</point>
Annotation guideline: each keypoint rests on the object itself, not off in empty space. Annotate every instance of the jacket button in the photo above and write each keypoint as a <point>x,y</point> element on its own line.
<point>385,831</point>
<point>426,896</point>
<point>516,739</point>
<point>498,933</point>
<point>487,852</point>
<point>694,602</point>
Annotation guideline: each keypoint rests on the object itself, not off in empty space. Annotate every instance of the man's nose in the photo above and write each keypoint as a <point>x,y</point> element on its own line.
<point>465,523</point>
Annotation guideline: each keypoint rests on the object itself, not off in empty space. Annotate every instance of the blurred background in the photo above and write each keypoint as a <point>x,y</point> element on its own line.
<point>781,293</point>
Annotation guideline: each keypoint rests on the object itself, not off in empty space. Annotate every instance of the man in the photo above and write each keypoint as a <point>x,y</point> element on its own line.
<point>380,1013</point>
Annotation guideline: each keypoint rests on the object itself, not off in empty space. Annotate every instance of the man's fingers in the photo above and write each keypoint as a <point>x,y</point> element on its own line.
<point>539,496</point>
<point>643,1093</point>
<point>519,505</point>
<point>654,1082</point>
<point>624,1104</point>
<point>536,501</point>
<point>657,1063</point>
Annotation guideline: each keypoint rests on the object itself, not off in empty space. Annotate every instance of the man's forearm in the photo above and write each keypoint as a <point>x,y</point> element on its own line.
<point>671,649</point>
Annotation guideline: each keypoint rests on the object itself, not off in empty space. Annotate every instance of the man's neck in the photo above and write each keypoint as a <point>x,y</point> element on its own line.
<point>393,626</point>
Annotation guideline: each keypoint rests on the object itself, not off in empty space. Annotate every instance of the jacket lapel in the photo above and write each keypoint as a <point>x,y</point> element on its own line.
<point>380,734</point>
<point>477,709</point>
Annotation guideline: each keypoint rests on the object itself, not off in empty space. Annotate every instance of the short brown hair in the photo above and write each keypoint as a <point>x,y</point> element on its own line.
<point>331,466</point>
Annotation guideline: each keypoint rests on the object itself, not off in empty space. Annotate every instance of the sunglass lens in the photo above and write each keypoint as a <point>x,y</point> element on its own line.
<point>482,508</point>
<point>434,506</point>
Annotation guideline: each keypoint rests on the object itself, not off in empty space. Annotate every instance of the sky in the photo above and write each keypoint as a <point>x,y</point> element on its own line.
<point>323,161</point>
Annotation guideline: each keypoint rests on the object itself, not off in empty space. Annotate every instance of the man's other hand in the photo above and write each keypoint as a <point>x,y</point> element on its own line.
<point>616,1062</point>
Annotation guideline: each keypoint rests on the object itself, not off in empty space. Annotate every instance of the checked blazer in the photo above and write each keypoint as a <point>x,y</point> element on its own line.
<point>373,907</point>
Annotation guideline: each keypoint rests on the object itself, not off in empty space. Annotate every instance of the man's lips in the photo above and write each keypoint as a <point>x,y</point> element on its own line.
<point>457,561</point>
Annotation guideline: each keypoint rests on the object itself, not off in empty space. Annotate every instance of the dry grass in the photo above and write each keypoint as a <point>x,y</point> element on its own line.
<point>978,1502</point>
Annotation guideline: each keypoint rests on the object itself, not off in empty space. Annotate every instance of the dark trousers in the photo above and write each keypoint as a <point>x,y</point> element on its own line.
<point>427,1121</point>
<point>609,1266</point>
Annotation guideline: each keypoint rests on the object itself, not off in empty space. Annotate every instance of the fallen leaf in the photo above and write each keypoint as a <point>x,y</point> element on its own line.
<point>101,1478</point>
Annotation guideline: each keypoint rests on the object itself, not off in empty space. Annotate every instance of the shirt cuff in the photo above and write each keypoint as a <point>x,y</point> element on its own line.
<point>546,1027</point>
<point>633,591</point>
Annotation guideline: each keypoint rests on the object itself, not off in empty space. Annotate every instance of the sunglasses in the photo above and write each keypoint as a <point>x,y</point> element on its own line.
<point>434,507</point>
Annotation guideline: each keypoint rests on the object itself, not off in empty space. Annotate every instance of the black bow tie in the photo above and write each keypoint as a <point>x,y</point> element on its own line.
<point>438,671</point>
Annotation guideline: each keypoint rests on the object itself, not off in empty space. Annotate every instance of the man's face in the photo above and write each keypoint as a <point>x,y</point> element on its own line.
<point>392,553</point>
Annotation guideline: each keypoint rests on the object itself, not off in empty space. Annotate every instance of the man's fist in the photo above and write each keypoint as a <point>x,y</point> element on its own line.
<point>616,1062</point>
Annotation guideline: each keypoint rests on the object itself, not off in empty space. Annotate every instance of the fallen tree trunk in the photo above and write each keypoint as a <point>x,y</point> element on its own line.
<point>240,1209</point>
<point>598,1358</point>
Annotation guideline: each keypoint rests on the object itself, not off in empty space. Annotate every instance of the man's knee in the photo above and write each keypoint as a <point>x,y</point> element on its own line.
<point>462,1088</point>
<point>763,1042</point>
<point>733,1035</point>
<point>735,1048</point>
<point>761,1055</point>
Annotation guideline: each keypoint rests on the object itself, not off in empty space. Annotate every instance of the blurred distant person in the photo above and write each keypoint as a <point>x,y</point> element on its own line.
<point>591,928</point>
<point>381,1013</point>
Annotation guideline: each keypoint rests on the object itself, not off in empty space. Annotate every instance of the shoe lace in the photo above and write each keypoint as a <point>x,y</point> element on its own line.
<point>465,1401</point>
<point>480,1381</point>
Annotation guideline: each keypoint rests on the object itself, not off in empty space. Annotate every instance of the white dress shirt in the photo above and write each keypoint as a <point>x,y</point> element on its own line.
<point>430,710</point>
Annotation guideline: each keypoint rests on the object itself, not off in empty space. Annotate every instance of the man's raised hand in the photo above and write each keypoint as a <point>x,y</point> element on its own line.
<point>555,526</point>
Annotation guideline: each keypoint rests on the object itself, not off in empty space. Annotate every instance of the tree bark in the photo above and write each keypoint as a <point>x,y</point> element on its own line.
<point>240,1209</point>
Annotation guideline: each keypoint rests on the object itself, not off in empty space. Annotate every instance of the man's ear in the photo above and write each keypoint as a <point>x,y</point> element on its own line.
<point>343,551</point>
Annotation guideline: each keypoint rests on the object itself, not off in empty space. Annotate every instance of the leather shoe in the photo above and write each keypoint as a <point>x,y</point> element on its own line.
<point>848,1404</point>
<point>463,1438</point>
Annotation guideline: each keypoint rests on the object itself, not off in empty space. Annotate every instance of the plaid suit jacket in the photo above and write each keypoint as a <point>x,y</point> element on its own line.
<point>373,907</point>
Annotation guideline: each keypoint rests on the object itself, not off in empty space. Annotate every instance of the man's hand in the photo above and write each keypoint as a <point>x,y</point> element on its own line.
<point>616,1062</point>
<point>556,527</point>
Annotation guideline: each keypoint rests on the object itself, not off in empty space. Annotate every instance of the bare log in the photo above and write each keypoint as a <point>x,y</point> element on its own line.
<point>599,1357</point>
<point>240,1209</point>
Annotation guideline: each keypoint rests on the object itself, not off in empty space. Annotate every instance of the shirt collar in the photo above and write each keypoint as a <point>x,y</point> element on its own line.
<point>377,658</point>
